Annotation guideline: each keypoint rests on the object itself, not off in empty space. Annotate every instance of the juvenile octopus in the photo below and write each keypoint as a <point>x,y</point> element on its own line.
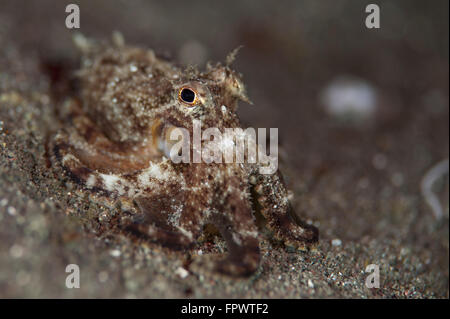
<point>114,142</point>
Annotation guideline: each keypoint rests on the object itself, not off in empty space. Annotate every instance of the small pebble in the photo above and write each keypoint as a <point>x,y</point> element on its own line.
<point>115,253</point>
<point>397,179</point>
<point>16,251</point>
<point>336,242</point>
<point>183,273</point>
<point>3,202</point>
<point>103,276</point>
<point>379,161</point>
<point>12,211</point>
<point>23,278</point>
<point>348,97</point>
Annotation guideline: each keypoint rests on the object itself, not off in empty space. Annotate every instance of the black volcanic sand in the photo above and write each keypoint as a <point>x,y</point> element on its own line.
<point>359,183</point>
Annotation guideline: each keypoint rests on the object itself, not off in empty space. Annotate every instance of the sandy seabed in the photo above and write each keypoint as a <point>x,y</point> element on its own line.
<point>359,183</point>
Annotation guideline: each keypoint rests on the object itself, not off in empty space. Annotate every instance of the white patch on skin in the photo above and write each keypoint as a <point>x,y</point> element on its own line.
<point>207,213</point>
<point>174,218</point>
<point>253,234</point>
<point>236,239</point>
<point>69,157</point>
<point>153,172</point>
<point>150,231</point>
<point>111,183</point>
<point>109,180</point>
<point>224,109</point>
<point>91,181</point>
<point>185,232</point>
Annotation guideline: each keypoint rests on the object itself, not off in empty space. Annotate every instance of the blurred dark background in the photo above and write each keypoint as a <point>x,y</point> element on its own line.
<point>355,168</point>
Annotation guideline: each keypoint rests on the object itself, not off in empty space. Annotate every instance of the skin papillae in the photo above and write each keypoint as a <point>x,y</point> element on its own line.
<point>114,142</point>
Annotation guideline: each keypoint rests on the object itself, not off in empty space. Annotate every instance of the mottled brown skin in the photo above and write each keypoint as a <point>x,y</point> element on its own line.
<point>113,133</point>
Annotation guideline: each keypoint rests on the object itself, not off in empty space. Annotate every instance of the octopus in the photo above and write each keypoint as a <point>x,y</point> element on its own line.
<point>114,141</point>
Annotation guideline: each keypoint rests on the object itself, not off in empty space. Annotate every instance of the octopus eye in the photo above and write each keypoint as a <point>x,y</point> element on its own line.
<point>188,96</point>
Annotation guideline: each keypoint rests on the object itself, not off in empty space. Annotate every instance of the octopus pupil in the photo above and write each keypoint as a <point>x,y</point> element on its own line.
<point>188,95</point>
